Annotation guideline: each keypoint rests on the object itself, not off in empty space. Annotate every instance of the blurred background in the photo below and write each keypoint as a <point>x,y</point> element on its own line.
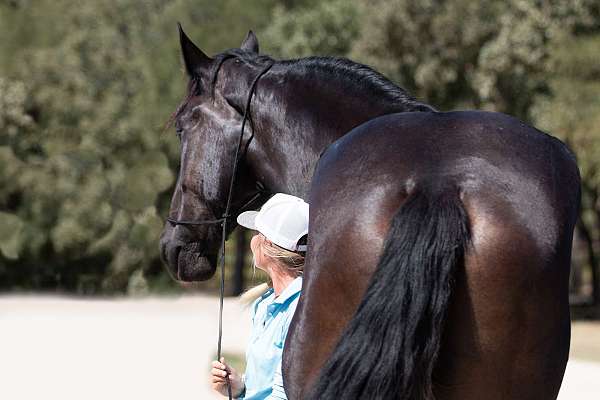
<point>87,165</point>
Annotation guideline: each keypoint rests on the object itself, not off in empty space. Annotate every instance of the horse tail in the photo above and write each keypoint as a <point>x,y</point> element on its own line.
<point>390,347</point>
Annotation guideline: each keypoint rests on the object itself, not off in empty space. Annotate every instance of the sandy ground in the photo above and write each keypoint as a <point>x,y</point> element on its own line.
<point>67,349</point>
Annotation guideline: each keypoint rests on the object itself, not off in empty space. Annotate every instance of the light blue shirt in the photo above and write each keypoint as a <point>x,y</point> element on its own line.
<point>271,317</point>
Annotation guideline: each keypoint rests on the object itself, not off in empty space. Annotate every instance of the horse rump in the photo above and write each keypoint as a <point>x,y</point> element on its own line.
<point>389,348</point>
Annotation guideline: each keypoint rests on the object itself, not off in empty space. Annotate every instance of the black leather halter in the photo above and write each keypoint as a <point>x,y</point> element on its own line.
<point>224,218</point>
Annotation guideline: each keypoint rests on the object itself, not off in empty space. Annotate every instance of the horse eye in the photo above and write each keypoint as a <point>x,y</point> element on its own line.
<point>196,114</point>
<point>179,133</point>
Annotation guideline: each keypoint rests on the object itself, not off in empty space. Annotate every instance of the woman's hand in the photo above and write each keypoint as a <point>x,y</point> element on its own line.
<point>219,383</point>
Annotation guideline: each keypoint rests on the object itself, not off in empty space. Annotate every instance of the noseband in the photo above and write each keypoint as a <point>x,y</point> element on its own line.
<point>226,215</point>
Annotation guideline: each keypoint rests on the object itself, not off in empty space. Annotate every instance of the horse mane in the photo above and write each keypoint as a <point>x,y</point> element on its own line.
<point>361,76</point>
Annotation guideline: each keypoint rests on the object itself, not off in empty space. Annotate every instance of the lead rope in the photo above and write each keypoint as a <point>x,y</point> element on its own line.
<point>226,216</point>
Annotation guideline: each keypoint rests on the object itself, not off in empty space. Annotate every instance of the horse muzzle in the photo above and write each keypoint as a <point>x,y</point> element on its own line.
<point>187,262</point>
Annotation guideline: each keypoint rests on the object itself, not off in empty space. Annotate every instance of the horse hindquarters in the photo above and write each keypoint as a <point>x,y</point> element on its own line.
<point>390,346</point>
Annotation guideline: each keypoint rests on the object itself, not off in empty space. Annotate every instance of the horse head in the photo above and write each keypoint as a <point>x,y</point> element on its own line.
<point>208,124</point>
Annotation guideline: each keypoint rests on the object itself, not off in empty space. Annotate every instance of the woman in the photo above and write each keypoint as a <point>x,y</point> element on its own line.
<point>278,248</point>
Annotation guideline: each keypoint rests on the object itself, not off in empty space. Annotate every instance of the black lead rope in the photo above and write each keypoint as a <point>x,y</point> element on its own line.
<point>226,215</point>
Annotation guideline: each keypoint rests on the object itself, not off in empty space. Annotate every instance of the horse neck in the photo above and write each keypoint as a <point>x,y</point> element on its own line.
<point>297,118</point>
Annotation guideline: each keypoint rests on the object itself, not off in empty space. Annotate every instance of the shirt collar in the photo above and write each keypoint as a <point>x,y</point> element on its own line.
<point>290,291</point>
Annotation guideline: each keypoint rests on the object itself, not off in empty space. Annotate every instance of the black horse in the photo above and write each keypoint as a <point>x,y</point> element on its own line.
<point>439,243</point>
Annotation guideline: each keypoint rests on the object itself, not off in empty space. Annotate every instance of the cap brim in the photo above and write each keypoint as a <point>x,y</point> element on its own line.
<point>247,219</point>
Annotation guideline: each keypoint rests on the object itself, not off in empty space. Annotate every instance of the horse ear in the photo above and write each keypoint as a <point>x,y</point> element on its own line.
<point>195,60</point>
<point>250,43</point>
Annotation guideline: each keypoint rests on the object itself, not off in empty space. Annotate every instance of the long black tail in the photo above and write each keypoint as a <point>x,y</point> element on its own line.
<point>389,348</point>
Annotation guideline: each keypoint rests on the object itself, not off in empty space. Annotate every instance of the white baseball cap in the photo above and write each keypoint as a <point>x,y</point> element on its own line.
<point>283,219</point>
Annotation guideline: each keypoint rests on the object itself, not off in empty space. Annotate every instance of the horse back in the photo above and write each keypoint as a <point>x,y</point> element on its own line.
<point>507,328</point>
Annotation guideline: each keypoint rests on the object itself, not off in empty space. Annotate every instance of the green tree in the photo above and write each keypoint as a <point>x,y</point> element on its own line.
<point>16,125</point>
<point>91,170</point>
<point>321,28</point>
<point>463,54</point>
<point>452,53</point>
<point>572,114</point>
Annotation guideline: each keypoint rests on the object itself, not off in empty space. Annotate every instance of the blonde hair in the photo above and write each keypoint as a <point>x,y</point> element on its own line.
<point>292,262</point>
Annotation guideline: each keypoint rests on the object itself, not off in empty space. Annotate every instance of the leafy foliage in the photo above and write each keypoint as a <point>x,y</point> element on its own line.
<point>572,115</point>
<point>325,28</point>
